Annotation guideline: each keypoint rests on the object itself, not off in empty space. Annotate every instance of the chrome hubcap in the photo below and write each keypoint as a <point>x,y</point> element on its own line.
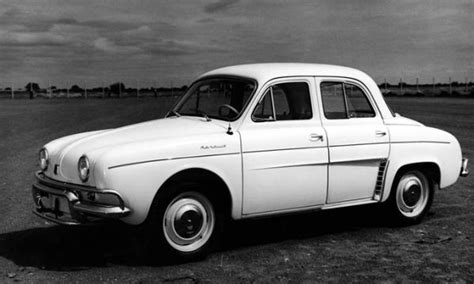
<point>188,221</point>
<point>412,194</point>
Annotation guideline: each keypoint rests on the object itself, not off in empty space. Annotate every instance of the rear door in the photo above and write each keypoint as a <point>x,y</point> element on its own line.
<point>358,140</point>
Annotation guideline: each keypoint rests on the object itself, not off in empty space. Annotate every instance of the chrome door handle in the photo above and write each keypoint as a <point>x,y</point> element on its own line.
<point>316,137</point>
<point>380,133</point>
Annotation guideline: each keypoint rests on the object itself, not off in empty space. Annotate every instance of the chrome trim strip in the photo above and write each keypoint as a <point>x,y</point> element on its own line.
<point>408,142</point>
<point>356,161</point>
<point>170,159</point>
<point>283,149</point>
<point>293,166</point>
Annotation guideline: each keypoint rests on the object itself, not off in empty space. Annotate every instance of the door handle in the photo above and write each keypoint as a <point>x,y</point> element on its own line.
<point>316,137</point>
<point>380,133</point>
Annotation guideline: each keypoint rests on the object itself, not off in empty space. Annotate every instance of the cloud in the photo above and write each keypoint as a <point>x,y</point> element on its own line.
<point>205,20</point>
<point>109,46</point>
<point>219,5</point>
<point>31,39</point>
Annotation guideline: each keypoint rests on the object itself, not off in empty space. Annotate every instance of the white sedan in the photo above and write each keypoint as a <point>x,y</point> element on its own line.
<point>249,141</point>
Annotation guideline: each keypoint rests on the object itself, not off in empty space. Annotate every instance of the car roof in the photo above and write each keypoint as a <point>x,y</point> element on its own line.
<point>262,72</point>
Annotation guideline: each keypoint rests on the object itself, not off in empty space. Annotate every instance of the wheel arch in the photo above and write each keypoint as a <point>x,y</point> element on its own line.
<point>218,190</point>
<point>429,168</point>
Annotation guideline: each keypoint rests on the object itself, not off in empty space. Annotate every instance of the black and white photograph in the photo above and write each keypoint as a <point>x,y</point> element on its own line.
<point>236,141</point>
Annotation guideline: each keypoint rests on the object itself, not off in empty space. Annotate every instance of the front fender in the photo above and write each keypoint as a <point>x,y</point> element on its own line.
<point>139,183</point>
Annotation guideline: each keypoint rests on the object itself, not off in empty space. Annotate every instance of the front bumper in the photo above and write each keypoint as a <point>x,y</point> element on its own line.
<point>71,204</point>
<point>464,170</point>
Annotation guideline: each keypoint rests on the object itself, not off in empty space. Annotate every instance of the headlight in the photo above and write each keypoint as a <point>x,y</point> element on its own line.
<point>83,168</point>
<point>43,159</point>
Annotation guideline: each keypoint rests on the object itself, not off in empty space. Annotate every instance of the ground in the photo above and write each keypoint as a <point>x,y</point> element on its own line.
<point>340,245</point>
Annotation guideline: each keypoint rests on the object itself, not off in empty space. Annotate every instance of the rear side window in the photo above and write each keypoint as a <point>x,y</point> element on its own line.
<point>286,101</point>
<point>344,100</point>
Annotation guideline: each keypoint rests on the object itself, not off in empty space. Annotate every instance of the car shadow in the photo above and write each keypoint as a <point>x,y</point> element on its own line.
<point>81,247</point>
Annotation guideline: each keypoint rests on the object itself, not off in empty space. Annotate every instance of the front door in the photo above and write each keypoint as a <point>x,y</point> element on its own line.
<point>358,140</point>
<point>284,150</point>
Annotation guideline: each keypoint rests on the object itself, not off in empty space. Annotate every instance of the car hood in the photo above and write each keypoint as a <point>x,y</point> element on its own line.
<point>65,152</point>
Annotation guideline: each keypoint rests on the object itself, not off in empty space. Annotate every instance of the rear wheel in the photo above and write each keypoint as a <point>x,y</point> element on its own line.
<point>182,225</point>
<point>411,197</point>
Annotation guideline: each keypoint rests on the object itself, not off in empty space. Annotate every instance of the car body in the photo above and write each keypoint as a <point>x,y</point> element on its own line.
<point>249,141</point>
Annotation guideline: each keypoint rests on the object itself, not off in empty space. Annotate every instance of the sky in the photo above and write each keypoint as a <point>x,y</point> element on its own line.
<point>167,43</point>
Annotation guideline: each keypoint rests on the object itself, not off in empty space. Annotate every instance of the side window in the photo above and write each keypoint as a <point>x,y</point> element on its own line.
<point>289,101</point>
<point>357,103</point>
<point>344,100</point>
<point>334,105</point>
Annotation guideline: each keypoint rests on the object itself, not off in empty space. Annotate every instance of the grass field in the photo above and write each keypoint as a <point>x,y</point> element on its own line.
<point>344,245</point>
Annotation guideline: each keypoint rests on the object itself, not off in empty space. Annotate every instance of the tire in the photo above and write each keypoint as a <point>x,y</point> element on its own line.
<point>183,224</point>
<point>411,197</point>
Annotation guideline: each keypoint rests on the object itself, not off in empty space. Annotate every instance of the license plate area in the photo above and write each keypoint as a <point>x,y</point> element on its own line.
<point>55,203</point>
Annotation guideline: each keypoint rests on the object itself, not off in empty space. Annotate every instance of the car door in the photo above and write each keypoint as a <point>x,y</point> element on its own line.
<point>358,140</point>
<point>284,150</point>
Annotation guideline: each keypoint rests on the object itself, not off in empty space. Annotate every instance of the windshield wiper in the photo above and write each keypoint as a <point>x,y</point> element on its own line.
<point>198,111</point>
<point>173,112</point>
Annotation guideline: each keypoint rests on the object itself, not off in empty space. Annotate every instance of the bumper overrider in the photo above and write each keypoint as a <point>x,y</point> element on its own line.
<point>72,204</point>
<point>464,170</point>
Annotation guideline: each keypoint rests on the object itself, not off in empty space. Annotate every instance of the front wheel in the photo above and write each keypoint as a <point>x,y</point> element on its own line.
<point>182,225</point>
<point>411,197</point>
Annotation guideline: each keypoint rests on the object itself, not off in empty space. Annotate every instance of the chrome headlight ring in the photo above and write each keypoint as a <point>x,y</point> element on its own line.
<point>83,167</point>
<point>43,159</point>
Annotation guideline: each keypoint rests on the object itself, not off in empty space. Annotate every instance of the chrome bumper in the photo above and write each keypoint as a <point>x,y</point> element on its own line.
<point>68,204</point>
<point>464,170</point>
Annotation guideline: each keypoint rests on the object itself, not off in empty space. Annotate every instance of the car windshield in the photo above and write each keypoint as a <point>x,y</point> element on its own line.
<point>219,98</point>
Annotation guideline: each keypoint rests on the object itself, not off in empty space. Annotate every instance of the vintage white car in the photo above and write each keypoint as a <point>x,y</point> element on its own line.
<point>249,141</point>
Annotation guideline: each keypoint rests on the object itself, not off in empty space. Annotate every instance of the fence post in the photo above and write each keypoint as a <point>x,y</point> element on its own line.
<point>450,87</point>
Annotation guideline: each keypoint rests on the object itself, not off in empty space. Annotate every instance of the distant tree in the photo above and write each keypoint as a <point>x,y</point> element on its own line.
<point>34,87</point>
<point>117,88</point>
<point>184,88</point>
<point>76,89</point>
